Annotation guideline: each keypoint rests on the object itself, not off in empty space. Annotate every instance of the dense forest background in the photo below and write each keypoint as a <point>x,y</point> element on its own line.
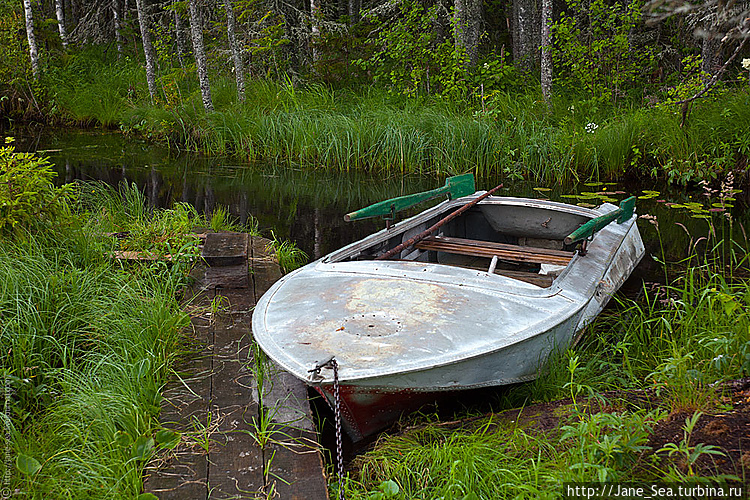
<point>153,67</point>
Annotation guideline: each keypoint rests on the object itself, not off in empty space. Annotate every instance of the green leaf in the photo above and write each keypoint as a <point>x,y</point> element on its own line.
<point>147,496</point>
<point>27,465</point>
<point>142,447</point>
<point>389,488</point>
<point>471,496</point>
<point>122,438</point>
<point>168,439</point>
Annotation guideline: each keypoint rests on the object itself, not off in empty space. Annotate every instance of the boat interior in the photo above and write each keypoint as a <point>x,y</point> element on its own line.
<point>521,241</point>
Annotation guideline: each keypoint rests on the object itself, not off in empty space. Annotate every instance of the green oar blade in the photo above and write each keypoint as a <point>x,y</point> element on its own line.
<point>621,215</point>
<point>455,187</point>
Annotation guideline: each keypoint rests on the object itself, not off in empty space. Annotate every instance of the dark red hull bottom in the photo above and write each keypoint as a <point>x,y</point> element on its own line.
<point>366,411</point>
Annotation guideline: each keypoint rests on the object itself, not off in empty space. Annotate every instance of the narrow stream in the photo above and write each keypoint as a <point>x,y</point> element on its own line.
<point>307,205</point>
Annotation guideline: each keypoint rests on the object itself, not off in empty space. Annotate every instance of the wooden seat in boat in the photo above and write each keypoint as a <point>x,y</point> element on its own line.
<point>477,248</point>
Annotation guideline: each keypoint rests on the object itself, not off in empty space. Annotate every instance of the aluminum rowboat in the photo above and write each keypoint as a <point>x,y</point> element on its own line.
<point>445,315</point>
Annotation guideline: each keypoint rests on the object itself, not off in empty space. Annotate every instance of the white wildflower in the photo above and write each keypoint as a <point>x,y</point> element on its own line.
<point>746,63</point>
<point>591,127</point>
<point>717,358</point>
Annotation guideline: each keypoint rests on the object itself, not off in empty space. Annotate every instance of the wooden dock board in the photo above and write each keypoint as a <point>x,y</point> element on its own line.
<point>218,393</point>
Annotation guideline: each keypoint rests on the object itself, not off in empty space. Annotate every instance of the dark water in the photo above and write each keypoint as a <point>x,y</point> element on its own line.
<point>307,205</point>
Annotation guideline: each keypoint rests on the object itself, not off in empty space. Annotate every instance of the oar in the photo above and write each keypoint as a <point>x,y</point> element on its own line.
<point>587,230</point>
<point>424,234</point>
<point>455,187</point>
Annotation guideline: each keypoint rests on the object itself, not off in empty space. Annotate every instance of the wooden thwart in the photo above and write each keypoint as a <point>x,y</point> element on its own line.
<point>476,248</point>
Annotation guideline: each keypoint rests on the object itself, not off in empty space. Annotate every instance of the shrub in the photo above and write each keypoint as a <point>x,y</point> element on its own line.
<point>26,188</point>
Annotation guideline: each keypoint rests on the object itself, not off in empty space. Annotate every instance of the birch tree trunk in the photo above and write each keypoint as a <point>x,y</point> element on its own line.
<point>179,33</point>
<point>526,33</point>
<point>468,19</point>
<point>314,27</point>
<point>117,17</point>
<point>239,69</point>
<point>296,47</point>
<point>61,23</point>
<point>546,51</point>
<point>199,51</point>
<point>148,49</point>
<point>710,55</point>
<point>33,53</point>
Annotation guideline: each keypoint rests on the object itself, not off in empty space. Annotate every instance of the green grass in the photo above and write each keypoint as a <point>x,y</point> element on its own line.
<point>287,254</point>
<point>88,343</point>
<point>125,210</point>
<point>87,348</point>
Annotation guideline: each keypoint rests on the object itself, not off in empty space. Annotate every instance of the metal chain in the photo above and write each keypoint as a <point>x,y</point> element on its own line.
<point>315,376</point>
<point>337,413</point>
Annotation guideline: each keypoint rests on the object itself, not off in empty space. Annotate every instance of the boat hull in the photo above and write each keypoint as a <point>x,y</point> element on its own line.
<point>371,405</point>
<point>405,333</point>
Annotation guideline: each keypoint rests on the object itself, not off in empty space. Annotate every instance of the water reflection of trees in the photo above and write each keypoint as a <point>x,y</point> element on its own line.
<point>307,206</point>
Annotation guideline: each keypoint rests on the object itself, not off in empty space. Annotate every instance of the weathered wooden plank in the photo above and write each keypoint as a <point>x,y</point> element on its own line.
<point>183,474</point>
<point>502,246</point>
<point>228,276</point>
<point>489,249</point>
<point>226,249</point>
<point>295,460</point>
<point>483,263</point>
<point>136,255</point>
<point>236,461</point>
<point>541,280</point>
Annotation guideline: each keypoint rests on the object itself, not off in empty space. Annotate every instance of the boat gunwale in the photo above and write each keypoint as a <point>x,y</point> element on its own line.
<point>406,224</point>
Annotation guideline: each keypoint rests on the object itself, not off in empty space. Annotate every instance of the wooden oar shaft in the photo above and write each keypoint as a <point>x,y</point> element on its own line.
<point>424,234</point>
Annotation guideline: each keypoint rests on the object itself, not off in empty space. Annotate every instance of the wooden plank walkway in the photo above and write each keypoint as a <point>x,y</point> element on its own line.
<point>240,439</point>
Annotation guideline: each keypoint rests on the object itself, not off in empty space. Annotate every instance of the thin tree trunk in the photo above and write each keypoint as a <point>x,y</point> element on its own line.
<point>148,49</point>
<point>354,6</point>
<point>117,17</point>
<point>546,51</point>
<point>239,69</point>
<point>314,27</point>
<point>296,47</point>
<point>61,23</point>
<point>33,53</point>
<point>468,19</point>
<point>179,37</point>
<point>196,28</point>
<point>526,33</point>
<point>710,55</point>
